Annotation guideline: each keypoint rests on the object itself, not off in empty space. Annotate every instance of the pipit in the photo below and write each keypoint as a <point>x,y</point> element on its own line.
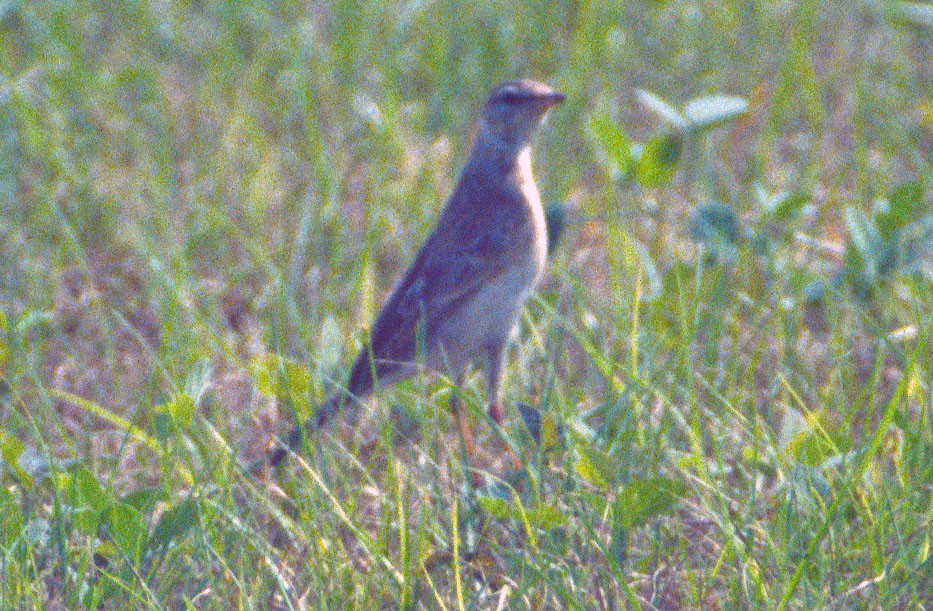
<point>459,300</point>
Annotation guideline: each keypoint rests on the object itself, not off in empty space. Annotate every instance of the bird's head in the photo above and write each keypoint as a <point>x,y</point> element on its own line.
<point>515,110</point>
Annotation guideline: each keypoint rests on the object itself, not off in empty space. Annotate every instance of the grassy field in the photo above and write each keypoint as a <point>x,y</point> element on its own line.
<point>203,204</point>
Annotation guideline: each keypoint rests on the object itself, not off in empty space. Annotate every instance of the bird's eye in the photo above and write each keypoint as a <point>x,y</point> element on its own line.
<point>511,98</point>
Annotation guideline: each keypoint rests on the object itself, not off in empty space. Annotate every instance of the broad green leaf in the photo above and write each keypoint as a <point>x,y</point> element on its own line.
<point>540,516</point>
<point>611,137</point>
<point>785,206</point>
<point>182,409</point>
<point>903,206</point>
<point>644,499</point>
<point>85,520</point>
<point>661,108</point>
<point>813,449</point>
<point>90,489</point>
<point>127,528</point>
<point>594,467</point>
<point>10,450</point>
<point>877,255</point>
<point>545,517</point>
<point>85,498</point>
<point>658,161</point>
<point>815,441</point>
<point>143,500</point>
<point>264,374</point>
<point>863,235</point>
<point>285,379</point>
<point>162,424</point>
<point>497,508</point>
<point>28,464</point>
<point>712,222</point>
<point>174,522</point>
<point>713,111</point>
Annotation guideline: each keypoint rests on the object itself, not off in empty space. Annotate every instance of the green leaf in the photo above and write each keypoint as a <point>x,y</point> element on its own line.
<point>876,255</point>
<point>904,205</point>
<point>545,517</point>
<point>611,137</point>
<point>662,108</point>
<point>706,113</point>
<point>713,222</point>
<point>497,508</point>
<point>182,409</point>
<point>595,467</point>
<point>127,528</point>
<point>812,449</point>
<point>644,499</point>
<point>197,383</point>
<point>174,522</point>
<point>10,450</point>
<point>658,161</point>
<point>162,425</point>
<point>284,379</point>
<point>144,499</point>
<point>863,235</point>
<point>85,498</point>
<point>90,491</point>
<point>85,520</point>
<point>785,206</point>
<point>540,516</point>
<point>815,440</point>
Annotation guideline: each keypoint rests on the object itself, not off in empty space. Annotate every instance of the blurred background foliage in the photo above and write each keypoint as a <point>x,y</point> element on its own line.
<point>202,203</point>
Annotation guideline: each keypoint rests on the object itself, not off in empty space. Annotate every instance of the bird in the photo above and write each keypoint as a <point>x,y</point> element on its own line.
<point>462,295</point>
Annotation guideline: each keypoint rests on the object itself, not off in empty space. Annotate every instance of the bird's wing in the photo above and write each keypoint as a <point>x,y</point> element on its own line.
<point>479,236</point>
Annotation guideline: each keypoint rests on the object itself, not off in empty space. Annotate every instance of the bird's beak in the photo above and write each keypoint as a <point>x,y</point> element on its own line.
<point>552,99</point>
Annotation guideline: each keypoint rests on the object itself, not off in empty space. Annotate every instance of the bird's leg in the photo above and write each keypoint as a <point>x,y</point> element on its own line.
<point>493,370</point>
<point>466,433</point>
<point>495,411</point>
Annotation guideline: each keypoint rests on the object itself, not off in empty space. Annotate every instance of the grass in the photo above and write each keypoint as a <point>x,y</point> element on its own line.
<point>202,206</point>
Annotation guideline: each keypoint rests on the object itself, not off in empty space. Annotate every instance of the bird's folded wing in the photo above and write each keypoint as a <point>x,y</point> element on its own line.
<point>471,248</point>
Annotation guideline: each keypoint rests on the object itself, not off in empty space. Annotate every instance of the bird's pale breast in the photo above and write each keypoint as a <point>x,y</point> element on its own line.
<point>487,319</point>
